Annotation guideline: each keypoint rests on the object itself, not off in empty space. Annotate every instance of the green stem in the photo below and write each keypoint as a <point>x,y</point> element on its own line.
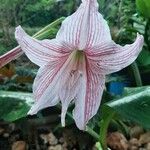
<point>136,73</point>
<point>88,129</point>
<point>124,128</point>
<point>92,133</point>
<point>50,26</point>
<point>103,130</point>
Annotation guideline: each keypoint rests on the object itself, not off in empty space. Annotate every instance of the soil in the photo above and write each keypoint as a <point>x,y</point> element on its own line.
<point>12,137</point>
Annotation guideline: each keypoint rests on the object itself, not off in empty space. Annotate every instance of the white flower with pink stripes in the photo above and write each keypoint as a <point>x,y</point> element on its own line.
<point>74,64</point>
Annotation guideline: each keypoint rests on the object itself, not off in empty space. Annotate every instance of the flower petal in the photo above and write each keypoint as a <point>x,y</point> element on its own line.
<point>55,82</point>
<point>89,98</point>
<point>46,85</point>
<point>110,57</point>
<point>11,55</point>
<point>69,87</point>
<point>40,52</point>
<point>85,27</point>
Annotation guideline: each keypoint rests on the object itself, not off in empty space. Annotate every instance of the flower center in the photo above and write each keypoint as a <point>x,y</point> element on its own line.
<point>79,55</point>
<point>78,61</point>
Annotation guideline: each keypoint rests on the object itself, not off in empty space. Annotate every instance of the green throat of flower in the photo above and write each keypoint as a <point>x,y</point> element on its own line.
<point>79,55</point>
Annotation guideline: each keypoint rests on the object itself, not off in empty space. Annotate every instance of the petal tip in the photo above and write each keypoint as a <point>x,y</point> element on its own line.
<point>81,125</point>
<point>19,33</point>
<point>83,128</point>
<point>32,112</point>
<point>140,39</point>
<point>63,122</point>
<point>63,114</point>
<point>63,125</point>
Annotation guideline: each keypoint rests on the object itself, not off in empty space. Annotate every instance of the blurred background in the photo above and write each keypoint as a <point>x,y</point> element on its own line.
<point>43,131</point>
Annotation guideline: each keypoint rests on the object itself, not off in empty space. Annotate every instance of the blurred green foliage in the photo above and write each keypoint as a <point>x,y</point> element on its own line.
<point>134,101</point>
<point>144,7</point>
<point>14,105</point>
<point>33,15</point>
<point>125,18</point>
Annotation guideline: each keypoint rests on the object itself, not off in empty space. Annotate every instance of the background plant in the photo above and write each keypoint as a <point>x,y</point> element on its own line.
<point>125,17</point>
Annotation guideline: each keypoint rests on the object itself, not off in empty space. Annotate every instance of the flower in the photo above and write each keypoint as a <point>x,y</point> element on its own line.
<point>74,64</point>
<point>9,56</point>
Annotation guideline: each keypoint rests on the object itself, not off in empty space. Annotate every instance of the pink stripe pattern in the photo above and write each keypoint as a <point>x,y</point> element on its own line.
<point>74,64</point>
<point>11,55</point>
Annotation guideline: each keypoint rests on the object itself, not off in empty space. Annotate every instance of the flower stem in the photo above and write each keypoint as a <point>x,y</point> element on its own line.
<point>136,73</point>
<point>88,129</point>
<point>92,133</point>
<point>103,130</point>
<point>48,27</point>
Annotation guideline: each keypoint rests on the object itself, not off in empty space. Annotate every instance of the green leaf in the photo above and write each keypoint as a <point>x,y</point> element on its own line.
<point>14,105</point>
<point>143,58</point>
<point>143,7</point>
<point>134,105</point>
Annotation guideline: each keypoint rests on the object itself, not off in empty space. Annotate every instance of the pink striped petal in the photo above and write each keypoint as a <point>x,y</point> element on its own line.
<point>46,85</point>
<point>85,27</point>
<point>89,98</point>
<point>110,57</point>
<point>69,85</point>
<point>40,52</point>
<point>9,56</point>
<point>55,82</point>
